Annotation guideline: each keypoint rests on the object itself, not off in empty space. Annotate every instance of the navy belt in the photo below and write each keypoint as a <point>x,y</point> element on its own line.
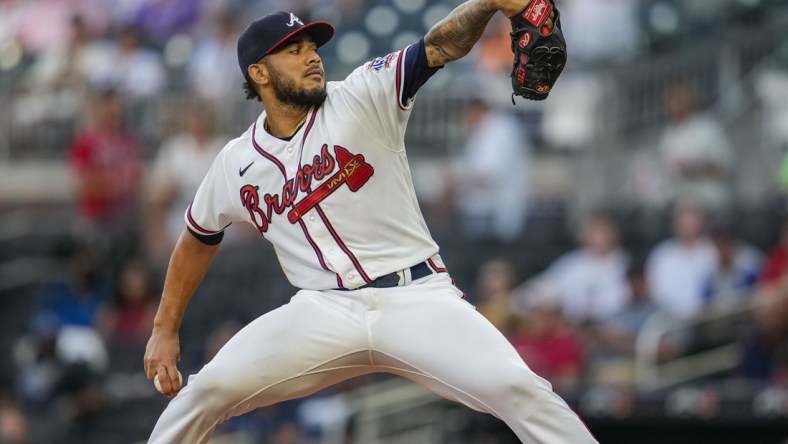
<point>417,271</point>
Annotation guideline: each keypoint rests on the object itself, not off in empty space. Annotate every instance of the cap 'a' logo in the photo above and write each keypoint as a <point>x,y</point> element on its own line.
<point>294,20</point>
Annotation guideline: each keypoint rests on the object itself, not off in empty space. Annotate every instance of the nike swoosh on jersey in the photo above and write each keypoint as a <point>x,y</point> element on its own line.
<point>242,171</point>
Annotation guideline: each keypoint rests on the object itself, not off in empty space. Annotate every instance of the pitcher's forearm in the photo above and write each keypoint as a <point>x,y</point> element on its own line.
<point>453,37</point>
<point>188,264</point>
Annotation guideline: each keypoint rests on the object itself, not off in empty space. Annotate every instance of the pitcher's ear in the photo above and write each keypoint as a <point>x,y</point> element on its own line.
<point>259,73</point>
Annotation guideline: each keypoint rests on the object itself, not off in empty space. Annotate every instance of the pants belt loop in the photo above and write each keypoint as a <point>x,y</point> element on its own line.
<point>406,277</point>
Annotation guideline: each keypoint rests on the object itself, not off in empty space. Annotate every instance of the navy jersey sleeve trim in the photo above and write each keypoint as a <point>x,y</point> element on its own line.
<point>416,70</point>
<point>207,239</point>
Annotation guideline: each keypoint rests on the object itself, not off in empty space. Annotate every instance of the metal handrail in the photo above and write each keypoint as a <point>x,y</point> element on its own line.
<point>372,403</point>
<point>651,374</point>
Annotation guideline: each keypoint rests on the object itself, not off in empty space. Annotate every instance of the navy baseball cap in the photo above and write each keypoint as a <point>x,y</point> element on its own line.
<point>268,32</point>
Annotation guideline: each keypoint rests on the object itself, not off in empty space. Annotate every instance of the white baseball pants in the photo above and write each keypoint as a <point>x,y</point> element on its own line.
<point>424,331</point>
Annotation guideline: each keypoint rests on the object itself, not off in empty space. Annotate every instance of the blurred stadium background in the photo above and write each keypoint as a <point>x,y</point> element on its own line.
<point>628,234</point>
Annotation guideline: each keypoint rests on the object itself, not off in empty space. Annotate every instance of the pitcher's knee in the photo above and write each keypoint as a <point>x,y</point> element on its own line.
<point>212,394</point>
<point>518,387</point>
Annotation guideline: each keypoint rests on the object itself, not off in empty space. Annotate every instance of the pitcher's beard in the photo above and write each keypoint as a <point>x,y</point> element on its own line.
<point>287,92</point>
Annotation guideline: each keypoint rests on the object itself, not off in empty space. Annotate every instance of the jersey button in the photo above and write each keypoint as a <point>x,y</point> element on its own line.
<point>352,277</point>
<point>312,218</point>
<point>290,149</point>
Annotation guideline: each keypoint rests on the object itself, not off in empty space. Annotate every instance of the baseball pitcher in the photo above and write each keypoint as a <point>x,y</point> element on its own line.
<point>323,175</point>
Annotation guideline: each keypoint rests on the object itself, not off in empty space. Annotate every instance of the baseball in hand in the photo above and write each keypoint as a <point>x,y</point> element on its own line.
<point>158,386</point>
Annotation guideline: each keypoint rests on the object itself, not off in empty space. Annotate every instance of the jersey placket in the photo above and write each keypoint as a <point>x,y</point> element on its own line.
<point>282,169</point>
<point>349,271</point>
<point>330,251</point>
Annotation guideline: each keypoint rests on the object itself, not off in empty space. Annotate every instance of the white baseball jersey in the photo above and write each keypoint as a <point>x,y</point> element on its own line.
<point>336,200</point>
<point>337,203</point>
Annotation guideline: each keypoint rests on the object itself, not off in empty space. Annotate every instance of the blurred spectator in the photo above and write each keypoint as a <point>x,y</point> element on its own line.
<point>764,354</point>
<point>613,352</point>
<point>776,264</point>
<point>736,273</point>
<point>679,267</point>
<point>571,119</point>
<point>78,394</point>
<point>36,361</point>
<point>135,70</point>
<point>628,322</point>
<point>172,186</point>
<point>580,21</point>
<point>486,75</point>
<point>771,86</point>
<point>490,187</point>
<point>47,23</point>
<point>544,339</point>
<point>324,416</point>
<point>81,348</point>
<point>122,11</point>
<point>275,424</point>
<point>75,301</point>
<point>212,71</point>
<point>11,14</point>
<point>57,359</point>
<point>493,55</point>
<point>56,84</point>
<point>495,281</point>
<point>13,423</point>
<point>217,338</point>
<point>772,89</point>
<point>128,316</point>
<point>591,280</point>
<point>59,382</point>
<point>162,19</point>
<point>106,164</point>
<point>695,150</point>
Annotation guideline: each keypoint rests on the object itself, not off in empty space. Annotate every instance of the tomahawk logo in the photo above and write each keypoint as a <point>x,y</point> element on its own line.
<point>353,171</point>
<point>294,20</point>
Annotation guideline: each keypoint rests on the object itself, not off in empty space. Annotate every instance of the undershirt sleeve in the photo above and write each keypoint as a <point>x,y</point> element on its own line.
<point>207,239</point>
<point>416,69</point>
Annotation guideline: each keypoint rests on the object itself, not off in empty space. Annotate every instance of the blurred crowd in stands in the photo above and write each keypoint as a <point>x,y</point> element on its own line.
<point>578,320</point>
<point>88,72</point>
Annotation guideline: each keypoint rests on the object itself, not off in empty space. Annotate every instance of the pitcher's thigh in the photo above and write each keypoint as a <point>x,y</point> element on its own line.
<point>304,337</point>
<point>445,339</point>
<point>443,343</point>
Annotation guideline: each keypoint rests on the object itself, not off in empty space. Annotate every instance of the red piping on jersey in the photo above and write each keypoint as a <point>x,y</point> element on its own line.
<point>314,246</point>
<point>400,61</point>
<point>307,130</point>
<point>301,222</point>
<point>281,167</point>
<point>194,223</point>
<point>323,217</point>
<point>266,154</point>
<point>435,267</point>
<point>342,245</point>
<point>438,269</point>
